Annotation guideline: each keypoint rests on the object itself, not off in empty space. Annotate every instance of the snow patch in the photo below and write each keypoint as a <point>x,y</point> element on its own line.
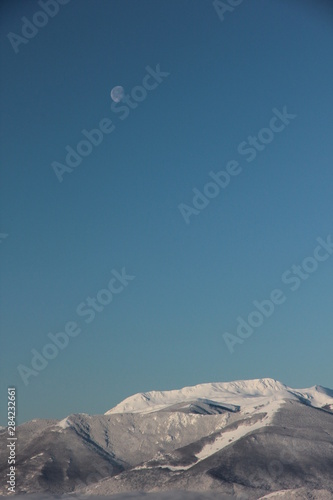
<point>63,424</point>
<point>35,456</point>
<point>233,435</point>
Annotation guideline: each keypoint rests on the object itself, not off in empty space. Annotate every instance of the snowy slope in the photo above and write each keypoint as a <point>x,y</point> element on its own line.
<point>242,393</point>
<point>252,437</point>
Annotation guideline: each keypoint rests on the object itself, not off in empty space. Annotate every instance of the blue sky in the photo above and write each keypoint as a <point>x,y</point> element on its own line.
<point>120,207</point>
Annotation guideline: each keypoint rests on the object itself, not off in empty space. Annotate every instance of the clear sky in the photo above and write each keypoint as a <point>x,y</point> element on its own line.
<point>120,207</point>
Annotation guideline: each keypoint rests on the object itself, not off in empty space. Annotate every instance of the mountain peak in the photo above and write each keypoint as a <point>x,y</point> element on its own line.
<point>172,438</point>
<point>237,393</point>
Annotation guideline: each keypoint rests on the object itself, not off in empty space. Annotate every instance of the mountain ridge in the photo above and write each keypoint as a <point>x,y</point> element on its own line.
<point>244,439</point>
<point>219,392</point>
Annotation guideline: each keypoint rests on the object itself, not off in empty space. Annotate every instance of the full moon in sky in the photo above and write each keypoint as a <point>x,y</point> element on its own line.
<point>117,93</point>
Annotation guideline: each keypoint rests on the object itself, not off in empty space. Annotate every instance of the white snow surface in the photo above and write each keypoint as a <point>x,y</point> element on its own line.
<point>226,437</point>
<point>64,423</point>
<point>247,394</point>
<point>234,434</point>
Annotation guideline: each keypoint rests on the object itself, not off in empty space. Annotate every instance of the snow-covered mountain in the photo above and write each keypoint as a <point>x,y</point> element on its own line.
<point>245,439</point>
<point>241,393</point>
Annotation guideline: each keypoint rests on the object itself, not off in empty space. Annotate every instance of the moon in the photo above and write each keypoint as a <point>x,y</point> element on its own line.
<point>117,93</point>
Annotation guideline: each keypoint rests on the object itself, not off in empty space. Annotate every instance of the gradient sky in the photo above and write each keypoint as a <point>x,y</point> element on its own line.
<point>119,207</point>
